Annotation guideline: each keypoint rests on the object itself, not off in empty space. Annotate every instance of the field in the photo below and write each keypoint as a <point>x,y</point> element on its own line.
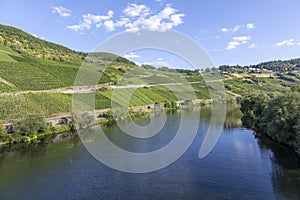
<point>245,84</point>
<point>18,106</point>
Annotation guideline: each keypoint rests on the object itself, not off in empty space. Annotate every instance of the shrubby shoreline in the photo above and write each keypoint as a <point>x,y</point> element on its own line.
<point>276,116</point>
<point>34,128</point>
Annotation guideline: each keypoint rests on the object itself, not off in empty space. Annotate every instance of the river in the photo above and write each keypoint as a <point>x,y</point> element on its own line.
<point>240,166</point>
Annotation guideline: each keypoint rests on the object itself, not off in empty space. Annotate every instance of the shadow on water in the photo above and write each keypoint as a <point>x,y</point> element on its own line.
<point>284,162</point>
<point>25,151</point>
<point>285,167</point>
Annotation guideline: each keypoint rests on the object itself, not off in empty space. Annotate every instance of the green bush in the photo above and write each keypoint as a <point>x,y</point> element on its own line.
<point>31,125</point>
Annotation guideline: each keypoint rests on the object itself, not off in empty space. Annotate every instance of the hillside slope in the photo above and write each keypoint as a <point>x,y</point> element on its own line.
<point>26,44</point>
<point>29,63</point>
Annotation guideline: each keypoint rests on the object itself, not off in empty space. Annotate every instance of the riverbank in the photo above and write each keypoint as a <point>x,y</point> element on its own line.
<point>267,139</point>
<point>274,116</point>
<point>103,117</point>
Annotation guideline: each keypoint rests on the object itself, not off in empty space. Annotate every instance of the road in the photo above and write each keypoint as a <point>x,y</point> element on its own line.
<point>89,89</point>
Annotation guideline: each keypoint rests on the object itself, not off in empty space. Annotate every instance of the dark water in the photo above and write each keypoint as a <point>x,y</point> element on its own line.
<point>239,167</point>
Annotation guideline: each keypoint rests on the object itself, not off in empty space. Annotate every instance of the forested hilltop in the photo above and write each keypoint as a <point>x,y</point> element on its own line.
<point>271,66</point>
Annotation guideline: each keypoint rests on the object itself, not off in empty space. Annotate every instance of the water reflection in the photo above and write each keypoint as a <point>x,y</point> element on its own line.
<point>285,165</point>
<point>28,151</point>
<point>233,115</point>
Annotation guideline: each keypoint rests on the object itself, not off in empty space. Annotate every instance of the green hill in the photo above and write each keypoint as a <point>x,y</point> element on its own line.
<point>29,63</point>
<point>16,40</point>
<point>24,57</point>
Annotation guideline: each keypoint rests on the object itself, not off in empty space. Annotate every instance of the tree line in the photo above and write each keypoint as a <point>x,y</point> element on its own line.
<point>274,115</point>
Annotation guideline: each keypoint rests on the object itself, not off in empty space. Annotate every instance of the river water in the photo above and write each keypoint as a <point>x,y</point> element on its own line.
<point>239,167</point>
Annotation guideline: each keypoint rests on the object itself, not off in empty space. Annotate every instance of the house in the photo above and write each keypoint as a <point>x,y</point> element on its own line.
<point>63,121</point>
<point>9,128</point>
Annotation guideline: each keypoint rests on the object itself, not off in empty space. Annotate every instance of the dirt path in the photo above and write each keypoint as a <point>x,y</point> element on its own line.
<point>7,83</point>
<point>235,95</point>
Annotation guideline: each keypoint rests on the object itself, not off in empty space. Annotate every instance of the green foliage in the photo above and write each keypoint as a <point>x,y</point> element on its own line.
<point>3,133</point>
<point>31,125</point>
<point>278,65</point>
<point>62,129</point>
<point>110,117</point>
<point>252,106</point>
<point>83,119</point>
<point>295,88</point>
<point>280,119</point>
<point>172,105</point>
<point>277,117</point>
<point>2,130</point>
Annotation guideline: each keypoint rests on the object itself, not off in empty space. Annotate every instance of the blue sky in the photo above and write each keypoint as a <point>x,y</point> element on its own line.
<point>232,31</point>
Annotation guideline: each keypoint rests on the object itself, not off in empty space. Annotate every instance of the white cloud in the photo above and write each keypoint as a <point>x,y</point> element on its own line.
<point>225,30</point>
<point>288,42</point>
<point>177,19</point>
<point>136,17</point>
<point>122,21</point>
<point>134,10</point>
<point>237,28</point>
<point>75,28</point>
<point>237,41</point>
<point>89,20</point>
<point>109,25</point>
<point>131,55</point>
<point>232,30</point>
<point>251,46</point>
<point>63,12</point>
<point>159,59</point>
<point>242,39</point>
<point>162,21</point>
<point>250,26</point>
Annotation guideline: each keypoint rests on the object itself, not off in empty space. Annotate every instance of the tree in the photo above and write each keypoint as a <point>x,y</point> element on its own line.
<point>31,125</point>
<point>280,119</point>
<point>2,130</point>
<point>173,105</point>
<point>3,133</point>
<point>82,119</point>
<point>277,117</point>
<point>252,107</point>
<point>167,104</point>
<point>295,88</point>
